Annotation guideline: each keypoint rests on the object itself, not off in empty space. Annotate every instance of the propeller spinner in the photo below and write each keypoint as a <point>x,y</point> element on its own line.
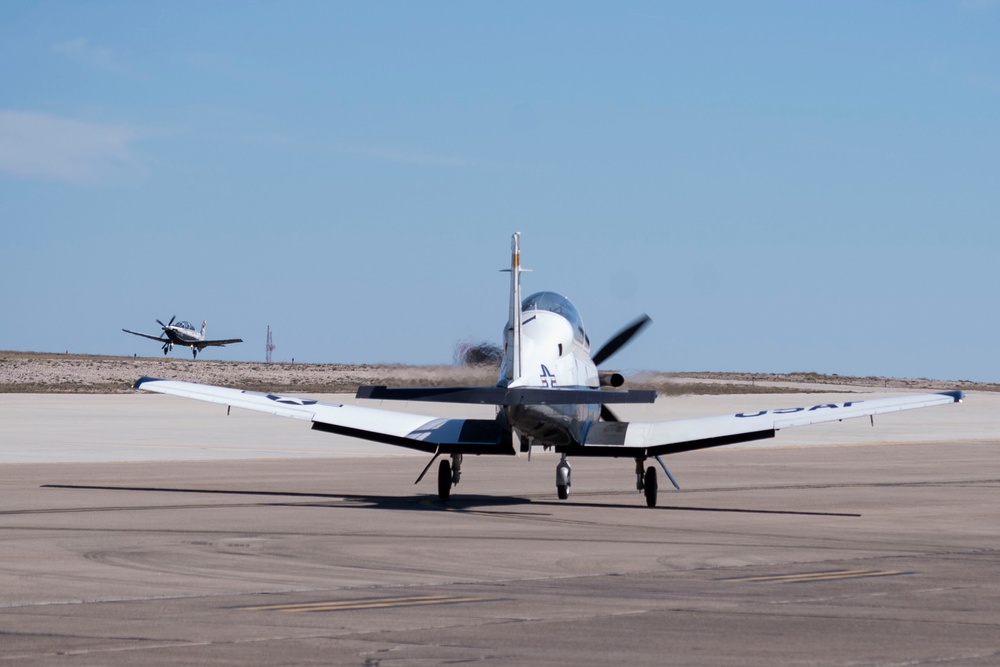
<point>167,344</point>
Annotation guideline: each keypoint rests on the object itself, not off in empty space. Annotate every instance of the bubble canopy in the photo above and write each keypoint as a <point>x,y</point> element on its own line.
<point>184,324</point>
<point>560,305</point>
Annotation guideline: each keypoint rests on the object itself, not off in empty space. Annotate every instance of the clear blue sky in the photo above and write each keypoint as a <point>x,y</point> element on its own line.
<point>782,186</point>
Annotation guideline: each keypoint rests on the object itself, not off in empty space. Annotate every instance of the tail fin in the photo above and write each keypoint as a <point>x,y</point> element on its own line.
<point>512,337</point>
<point>203,325</point>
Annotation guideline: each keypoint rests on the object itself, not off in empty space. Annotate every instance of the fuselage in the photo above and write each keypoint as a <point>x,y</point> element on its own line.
<point>554,354</point>
<point>183,333</point>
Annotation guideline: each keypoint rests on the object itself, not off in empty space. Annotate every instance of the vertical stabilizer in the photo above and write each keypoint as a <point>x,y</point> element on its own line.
<point>513,334</point>
<point>203,325</point>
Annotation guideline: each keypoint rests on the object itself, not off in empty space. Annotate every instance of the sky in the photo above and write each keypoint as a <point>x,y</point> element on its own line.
<point>781,186</point>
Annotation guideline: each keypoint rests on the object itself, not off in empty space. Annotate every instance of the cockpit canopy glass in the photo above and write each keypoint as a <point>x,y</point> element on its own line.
<point>184,324</point>
<point>560,305</point>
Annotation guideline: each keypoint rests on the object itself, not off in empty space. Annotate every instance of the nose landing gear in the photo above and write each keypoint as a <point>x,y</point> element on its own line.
<point>563,481</point>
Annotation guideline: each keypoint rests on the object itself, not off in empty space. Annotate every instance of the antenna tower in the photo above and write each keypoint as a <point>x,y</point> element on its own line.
<point>270,345</point>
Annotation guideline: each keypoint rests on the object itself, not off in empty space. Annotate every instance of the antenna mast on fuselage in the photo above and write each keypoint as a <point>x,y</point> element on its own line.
<point>514,321</point>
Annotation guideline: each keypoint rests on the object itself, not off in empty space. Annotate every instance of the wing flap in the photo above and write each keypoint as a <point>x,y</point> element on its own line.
<point>447,436</point>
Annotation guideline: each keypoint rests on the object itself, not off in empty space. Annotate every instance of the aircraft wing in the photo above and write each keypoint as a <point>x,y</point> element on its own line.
<point>214,343</point>
<point>422,432</point>
<point>670,437</point>
<point>136,333</point>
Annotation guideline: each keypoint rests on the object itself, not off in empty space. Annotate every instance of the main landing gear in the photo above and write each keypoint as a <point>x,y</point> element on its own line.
<point>449,472</point>
<point>645,481</point>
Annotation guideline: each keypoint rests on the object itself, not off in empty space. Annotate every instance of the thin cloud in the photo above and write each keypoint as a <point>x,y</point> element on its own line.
<point>34,145</point>
<point>80,50</point>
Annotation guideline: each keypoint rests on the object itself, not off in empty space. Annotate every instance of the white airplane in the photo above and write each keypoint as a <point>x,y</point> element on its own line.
<point>184,333</point>
<point>550,394</point>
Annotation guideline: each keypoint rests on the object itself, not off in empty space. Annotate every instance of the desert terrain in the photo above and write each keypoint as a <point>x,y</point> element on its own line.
<point>40,372</point>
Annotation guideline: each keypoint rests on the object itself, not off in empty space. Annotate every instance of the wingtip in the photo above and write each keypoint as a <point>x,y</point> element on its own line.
<point>141,381</point>
<point>956,394</point>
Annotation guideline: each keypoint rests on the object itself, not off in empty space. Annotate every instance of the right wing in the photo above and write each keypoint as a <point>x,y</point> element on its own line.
<point>683,435</point>
<point>405,429</point>
<point>136,333</point>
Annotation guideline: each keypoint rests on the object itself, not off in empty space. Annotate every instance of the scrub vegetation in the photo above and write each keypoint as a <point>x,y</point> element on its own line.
<point>37,372</point>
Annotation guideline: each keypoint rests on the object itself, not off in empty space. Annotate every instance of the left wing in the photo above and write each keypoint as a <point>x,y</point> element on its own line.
<point>683,435</point>
<point>210,343</point>
<point>136,333</point>
<point>422,432</point>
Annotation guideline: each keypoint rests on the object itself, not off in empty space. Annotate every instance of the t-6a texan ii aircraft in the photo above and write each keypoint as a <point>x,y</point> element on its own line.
<point>550,395</point>
<point>184,333</point>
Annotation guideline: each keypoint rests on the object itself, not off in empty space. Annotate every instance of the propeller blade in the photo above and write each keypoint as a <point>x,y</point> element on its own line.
<point>160,323</point>
<point>620,339</point>
<point>172,318</point>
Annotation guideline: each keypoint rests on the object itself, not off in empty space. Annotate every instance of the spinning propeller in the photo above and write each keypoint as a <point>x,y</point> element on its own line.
<point>167,345</point>
<point>617,342</point>
<point>621,338</point>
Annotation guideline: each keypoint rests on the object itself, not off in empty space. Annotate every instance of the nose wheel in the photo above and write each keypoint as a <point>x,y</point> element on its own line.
<point>563,481</point>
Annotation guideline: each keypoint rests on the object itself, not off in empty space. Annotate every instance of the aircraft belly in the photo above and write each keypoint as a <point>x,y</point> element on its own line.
<point>556,425</point>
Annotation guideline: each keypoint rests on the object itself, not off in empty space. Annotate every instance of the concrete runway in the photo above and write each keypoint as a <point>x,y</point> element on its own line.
<point>157,530</point>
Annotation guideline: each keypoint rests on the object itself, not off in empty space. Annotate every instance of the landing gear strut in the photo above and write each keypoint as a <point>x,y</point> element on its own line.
<point>563,481</point>
<point>449,472</point>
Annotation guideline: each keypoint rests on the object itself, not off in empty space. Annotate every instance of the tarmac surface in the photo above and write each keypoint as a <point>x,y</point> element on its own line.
<point>151,529</point>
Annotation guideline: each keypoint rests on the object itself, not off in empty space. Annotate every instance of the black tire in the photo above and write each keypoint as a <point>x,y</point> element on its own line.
<point>444,479</point>
<point>649,484</point>
<point>562,491</point>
